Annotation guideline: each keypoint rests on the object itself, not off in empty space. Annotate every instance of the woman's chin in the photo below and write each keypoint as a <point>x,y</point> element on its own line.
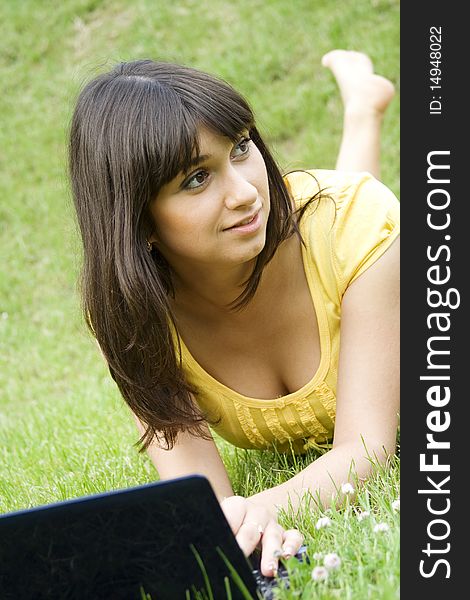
<point>251,253</point>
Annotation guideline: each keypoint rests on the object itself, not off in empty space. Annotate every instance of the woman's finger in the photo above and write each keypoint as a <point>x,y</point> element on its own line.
<point>249,536</point>
<point>293,539</point>
<point>271,549</point>
<point>234,509</point>
<point>253,527</point>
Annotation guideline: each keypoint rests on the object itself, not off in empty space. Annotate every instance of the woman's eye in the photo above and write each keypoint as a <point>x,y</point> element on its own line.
<point>243,147</point>
<point>196,180</point>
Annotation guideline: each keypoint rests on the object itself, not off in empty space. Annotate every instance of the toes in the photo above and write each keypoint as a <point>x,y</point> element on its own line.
<point>337,59</point>
<point>329,57</point>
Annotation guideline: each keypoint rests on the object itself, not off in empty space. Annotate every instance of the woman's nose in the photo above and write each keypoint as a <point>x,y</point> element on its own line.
<point>239,191</point>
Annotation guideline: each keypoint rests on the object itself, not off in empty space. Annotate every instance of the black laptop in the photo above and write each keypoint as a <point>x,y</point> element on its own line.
<point>167,540</point>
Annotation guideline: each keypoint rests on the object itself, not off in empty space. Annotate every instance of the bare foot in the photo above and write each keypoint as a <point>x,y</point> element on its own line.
<point>362,91</point>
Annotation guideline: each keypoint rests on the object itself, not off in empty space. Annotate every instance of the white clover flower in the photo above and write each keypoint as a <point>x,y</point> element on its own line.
<point>320,574</point>
<point>318,555</point>
<point>363,515</point>
<point>332,561</point>
<point>396,505</point>
<point>347,488</point>
<point>381,527</point>
<point>323,522</point>
<point>4,316</point>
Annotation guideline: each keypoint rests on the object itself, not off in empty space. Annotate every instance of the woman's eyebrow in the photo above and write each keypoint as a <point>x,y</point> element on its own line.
<point>197,160</point>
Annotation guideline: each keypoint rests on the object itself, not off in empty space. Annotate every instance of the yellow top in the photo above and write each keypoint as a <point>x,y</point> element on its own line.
<point>344,236</point>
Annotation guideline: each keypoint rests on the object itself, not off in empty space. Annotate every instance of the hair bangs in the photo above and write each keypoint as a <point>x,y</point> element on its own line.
<point>174,102</point>
<point>177,121</point>
<point>173,137</point>
<point>227,117</point>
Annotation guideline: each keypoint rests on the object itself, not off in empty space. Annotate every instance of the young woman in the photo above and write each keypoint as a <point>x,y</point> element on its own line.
<point>218,290</point>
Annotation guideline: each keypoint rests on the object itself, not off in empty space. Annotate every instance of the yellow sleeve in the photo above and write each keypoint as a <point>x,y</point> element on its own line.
<point>367,222</point>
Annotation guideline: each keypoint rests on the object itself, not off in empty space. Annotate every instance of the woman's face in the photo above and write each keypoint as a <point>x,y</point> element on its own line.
<point>216,213</point>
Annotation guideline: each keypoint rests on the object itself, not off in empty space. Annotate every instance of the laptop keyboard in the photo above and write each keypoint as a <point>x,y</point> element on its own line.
<point>266,585</point>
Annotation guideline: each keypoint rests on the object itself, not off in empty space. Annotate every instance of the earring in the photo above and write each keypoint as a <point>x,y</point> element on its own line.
<point>149,247</point>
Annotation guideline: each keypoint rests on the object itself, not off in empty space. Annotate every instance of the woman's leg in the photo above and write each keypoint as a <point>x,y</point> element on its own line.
<point>366,97</point>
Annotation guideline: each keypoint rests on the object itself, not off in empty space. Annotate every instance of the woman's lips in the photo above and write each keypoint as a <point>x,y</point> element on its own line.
<point>249,227</point>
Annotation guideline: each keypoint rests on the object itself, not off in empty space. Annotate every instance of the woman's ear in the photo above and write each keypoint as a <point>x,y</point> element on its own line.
<point>152,240</point>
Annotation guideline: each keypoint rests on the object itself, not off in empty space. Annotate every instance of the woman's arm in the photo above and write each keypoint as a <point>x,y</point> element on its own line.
<point>368,388</point>
<point>252,525</point>
<point>191,455</point>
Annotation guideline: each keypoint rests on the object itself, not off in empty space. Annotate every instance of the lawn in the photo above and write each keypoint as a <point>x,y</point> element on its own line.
<point>64,430</point>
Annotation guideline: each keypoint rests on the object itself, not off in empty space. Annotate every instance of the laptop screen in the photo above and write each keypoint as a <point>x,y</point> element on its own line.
<point>153,541</point>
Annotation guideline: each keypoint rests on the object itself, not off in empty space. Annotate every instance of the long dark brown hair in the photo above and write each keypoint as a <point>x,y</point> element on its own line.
<point>133,130</point>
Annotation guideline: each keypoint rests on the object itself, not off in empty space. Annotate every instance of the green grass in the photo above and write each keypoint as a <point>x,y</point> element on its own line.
<point>64,431</point>
<point>369,560</point>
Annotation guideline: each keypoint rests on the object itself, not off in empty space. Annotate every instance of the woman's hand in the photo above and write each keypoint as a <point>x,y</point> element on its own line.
<point>254,525</point>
